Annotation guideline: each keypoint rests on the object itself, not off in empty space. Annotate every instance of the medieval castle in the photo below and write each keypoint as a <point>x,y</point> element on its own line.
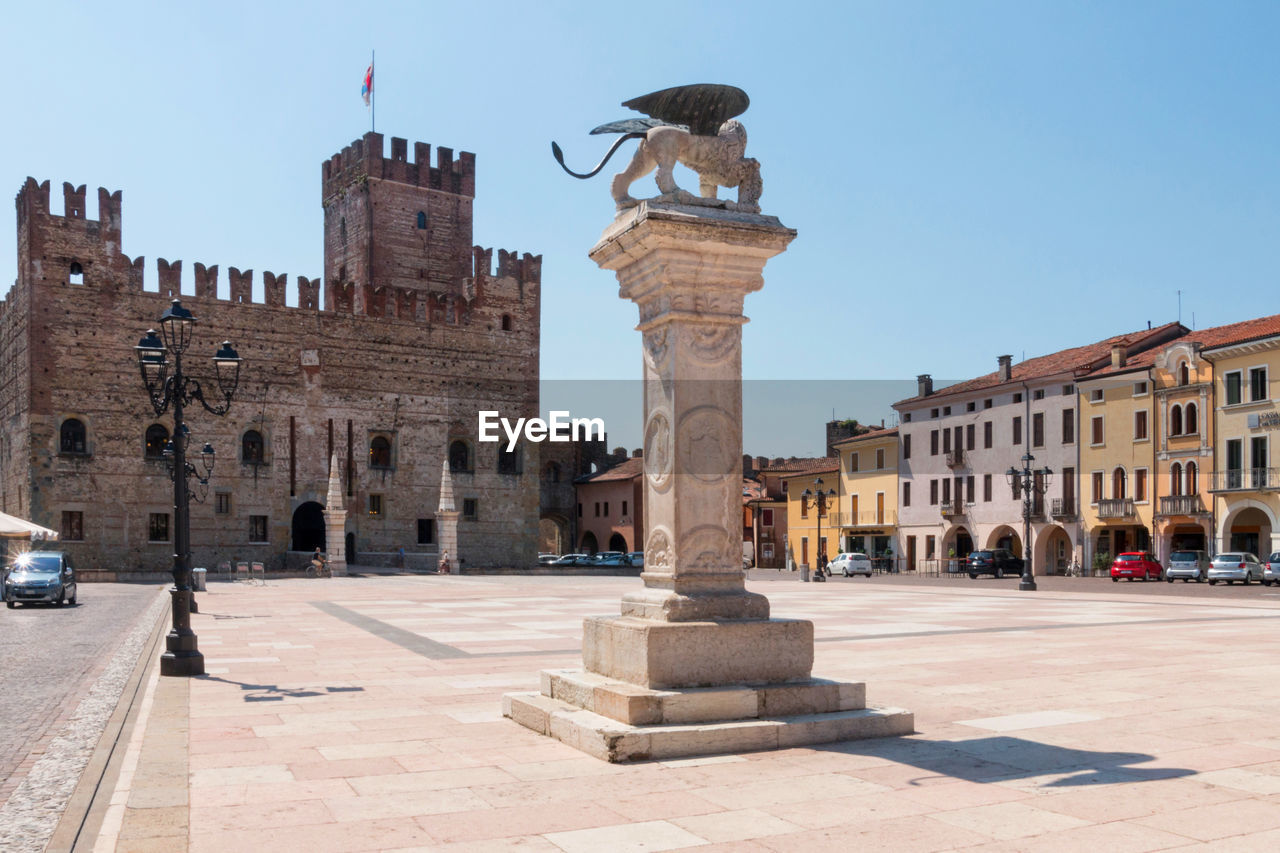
<point>417,332</point>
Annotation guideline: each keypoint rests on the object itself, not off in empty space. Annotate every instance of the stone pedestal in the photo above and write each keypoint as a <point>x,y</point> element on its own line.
<point>694,664</point>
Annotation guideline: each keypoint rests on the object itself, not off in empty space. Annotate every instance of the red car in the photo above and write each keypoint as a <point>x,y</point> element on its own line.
<point>1135,564</point>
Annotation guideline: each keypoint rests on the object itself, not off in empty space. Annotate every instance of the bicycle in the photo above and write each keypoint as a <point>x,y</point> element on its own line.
<point>319,570</point>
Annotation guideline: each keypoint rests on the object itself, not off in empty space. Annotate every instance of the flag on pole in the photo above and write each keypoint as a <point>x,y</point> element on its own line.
<point>366,91</point>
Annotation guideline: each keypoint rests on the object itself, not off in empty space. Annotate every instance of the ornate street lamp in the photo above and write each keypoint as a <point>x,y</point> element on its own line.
<point>167,386</point>
<point>1032,482</point>
<point>817,499</point>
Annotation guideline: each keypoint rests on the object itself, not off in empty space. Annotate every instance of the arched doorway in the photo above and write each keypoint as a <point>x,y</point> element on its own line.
<point>1053,552</point>
<point>308,527</point>
<point>1248,529</point>
<point>589,544</point>
<point>1006,537</point>
<point>957,543</point>
<point>552,535</point>
<point>618,543</point>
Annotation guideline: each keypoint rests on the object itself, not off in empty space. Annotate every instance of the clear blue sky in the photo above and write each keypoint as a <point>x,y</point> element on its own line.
<point>967,178</point>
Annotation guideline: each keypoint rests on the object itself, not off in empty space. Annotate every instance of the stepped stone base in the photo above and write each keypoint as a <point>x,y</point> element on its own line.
<point>611,740</point>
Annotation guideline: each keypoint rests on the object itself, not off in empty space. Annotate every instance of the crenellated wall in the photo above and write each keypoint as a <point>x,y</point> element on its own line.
<point>405,357</point>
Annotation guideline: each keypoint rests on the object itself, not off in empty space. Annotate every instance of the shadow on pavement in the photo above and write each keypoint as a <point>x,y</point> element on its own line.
<point>275,693</point>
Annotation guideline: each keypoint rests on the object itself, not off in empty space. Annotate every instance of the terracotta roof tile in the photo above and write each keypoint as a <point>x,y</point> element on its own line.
<point>803,464</point>
<point>628,470</point>
<point>1076,359</point>
<point>882,432</point>
<point>1216,336</point>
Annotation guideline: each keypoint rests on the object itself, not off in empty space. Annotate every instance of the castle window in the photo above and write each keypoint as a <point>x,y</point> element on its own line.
<point>470,512</point>
<point>459,456</point>
<point>156,438</point>
<point>251,448</point>
<point>506,322</point>
<point>342,231</point>
<point>71,438</point>
<point>509,461</point>
<point>72,525</point>
<point>76,275</point>
<point>426,531</point>
<point>422,219</point>
<point>258,529</point>
<point>379,452</point>
<point>551,473</point>
<point>223,505</point>
<point>158,527</point>
<point>375,504</point>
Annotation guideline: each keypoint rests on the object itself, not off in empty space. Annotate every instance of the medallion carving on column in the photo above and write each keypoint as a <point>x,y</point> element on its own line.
<point>657,450</point>
<point>709,547</point>
<point>657,349</point>
<point>706,444</point>
<point>657,550</point>
<point>712,343</point>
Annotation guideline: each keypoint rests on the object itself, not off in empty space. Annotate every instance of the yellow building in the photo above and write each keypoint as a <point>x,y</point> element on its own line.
<point>810,531</point>
<point>867,515</point>
<point>1245,485</point>
<point>1117,456</point>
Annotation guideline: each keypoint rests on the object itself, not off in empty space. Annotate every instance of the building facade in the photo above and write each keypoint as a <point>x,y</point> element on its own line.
<point>810,531</point>
<point>867,515</point>
<point>415,331</point>
<point>610,512</point>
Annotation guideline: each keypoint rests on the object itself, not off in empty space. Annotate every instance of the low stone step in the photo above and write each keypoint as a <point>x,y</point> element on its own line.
<point>643,706</point>
<point>614,741</point>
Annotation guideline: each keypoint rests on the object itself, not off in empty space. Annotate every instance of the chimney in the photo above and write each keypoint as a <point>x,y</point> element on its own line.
<point>637,453</point>
<point>1006,367</point>
<point>1118,353</point>
<point>924,385</point>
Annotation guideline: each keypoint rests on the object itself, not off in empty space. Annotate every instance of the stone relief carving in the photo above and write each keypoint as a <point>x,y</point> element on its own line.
<point>657,550</point>
<point>657,450</point>
<point>709,548</point>
<point>712,343</point>
<point>705,444</point>
<point>656,348</point>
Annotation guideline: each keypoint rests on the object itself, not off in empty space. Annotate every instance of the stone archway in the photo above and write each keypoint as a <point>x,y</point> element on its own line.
<point>1053,551</point>
<point>1248,526</point>
<point>308,527</point>
<point>1005,536</point>
<point>959,540</point>
<point>589,543</point>
<point>553,535</point>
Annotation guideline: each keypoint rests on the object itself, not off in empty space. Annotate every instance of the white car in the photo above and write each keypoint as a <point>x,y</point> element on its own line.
<point>1188,565</point>
<point>850,564</point>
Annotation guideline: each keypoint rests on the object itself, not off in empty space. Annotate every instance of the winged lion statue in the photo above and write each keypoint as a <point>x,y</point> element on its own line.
<point>692,125</point>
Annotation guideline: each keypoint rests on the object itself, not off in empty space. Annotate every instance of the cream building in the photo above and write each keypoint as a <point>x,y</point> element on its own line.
<point>867,515</point>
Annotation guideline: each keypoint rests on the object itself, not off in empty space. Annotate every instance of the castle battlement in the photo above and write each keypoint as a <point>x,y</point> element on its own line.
<point>526,269</point>
<point>33,201</point>
<point>365,158</point>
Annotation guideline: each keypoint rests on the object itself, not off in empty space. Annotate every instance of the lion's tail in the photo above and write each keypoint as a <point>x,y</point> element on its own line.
<point>559,155</point>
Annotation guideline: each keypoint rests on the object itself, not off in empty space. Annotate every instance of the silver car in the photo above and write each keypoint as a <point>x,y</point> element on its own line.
<point>1188,565</point>
<point>1235,566</point>
<point>40,576</point>
<point>1271,569</point>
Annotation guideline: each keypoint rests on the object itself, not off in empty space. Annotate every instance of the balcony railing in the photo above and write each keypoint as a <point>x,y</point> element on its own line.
<point>862,518</point>
<point>1246,479</point>
<point>952,509</point>
<point>955,458</point>
<point>1116,508</point>
<point>1037,507</point>
<point>1181,505</point>
<point>1064,508</point>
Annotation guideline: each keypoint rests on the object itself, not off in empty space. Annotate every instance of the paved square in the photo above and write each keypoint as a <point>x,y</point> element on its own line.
<point>363,714</point>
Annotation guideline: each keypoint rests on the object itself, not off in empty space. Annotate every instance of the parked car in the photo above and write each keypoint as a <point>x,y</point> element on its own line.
<point>851,563</point>
<point>1271,569</point>
<point>599,557</point>
<point>1135,564</point>
<point>547,559</point>
<point>996,561</point>
<point>572,560</point>
<point>1235,566</point>
<point>636,559</point>
<point>612,559</point>
<point>1188,565</point>
<point>46,576</point>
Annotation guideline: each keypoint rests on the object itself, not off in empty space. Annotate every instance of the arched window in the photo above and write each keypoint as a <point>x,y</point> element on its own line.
<point>251,447</point>
<point>71,437</point>
<point>509,461</point>
<point>1191,424</point>
<point>1175,479</point>
<point>1175,421</point>
<point>157,437</point>
<point>506,322</point>
<point>459,456</point>
<point>1118,484</point>
<point>422,219</point>
<point>76,275</point>
<point>1184,374</point>
<point>1192,486</point>
<point>379,452</point>
<point>551,473</point>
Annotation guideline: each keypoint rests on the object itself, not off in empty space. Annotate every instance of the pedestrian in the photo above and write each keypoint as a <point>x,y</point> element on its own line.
<point>400,558</point>
<point>444,563</point>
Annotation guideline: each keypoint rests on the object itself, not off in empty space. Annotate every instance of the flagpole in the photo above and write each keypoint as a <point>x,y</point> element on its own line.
<point>373,95</point>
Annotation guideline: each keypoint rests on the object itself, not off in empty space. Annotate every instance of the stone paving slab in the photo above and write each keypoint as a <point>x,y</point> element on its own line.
<point>355,714</point>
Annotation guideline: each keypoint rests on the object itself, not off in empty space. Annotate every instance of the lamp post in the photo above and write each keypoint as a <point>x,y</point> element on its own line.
<point>817,499</point>
<point>167,386</point>
<point>1032,482</point>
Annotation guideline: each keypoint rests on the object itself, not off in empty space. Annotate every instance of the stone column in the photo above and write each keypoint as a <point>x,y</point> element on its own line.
<point>447,519</point>
<point>335,522</point>
<point>694,665</point>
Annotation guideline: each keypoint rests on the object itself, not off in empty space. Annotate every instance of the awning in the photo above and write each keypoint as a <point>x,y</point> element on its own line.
<point>12,527</point>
